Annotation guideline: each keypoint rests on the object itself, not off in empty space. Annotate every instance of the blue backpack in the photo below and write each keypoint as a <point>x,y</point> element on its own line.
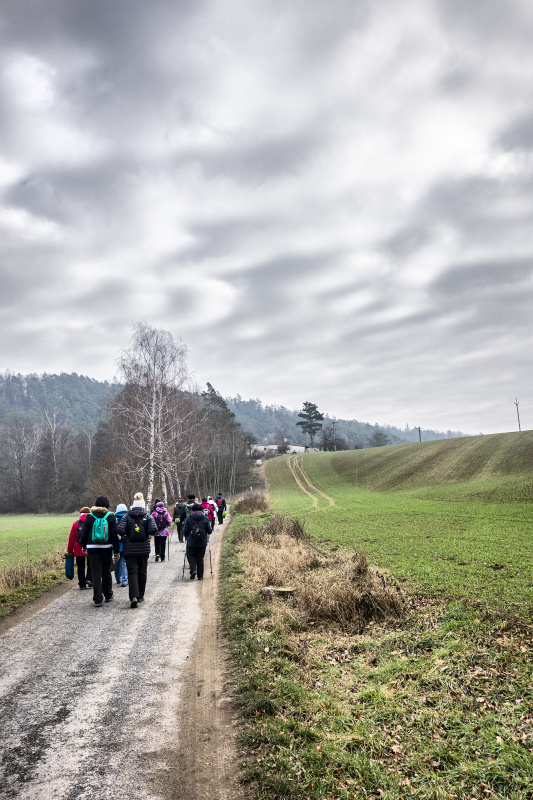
<point>100,531</point>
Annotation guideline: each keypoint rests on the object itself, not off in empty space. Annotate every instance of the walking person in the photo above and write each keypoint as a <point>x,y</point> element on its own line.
<point>121,570</point>
<point>196,530</point>
<point>221,507</point>
<point>186,511</point>
<point>99,538</point>
<point>212,502</point>
<point>176,517</point>
<point>207,508</point>
<point>74,546</point>
<point>162,520</point>
<point>135,529</point>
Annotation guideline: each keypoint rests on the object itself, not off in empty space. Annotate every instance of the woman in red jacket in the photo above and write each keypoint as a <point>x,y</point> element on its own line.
<point>207,508</point>
<point>84,579</point>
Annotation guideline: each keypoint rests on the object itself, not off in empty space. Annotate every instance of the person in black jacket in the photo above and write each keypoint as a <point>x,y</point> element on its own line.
<point>99,538</point>
<point>221,507</point>
<point>196,530</point>
<point>176,516</point>
<point>135,529</point>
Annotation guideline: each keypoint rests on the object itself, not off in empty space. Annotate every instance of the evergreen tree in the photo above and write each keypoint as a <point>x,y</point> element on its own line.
<point>311,420</point>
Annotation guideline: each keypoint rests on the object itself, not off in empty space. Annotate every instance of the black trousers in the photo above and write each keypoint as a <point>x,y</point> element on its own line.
<point>137,575</point>
<point>179,528</point>
<point>160,544</point>
<point>101,561</point>
<point>220,514</point>
<point>196,559</point>
<point>83,577</point>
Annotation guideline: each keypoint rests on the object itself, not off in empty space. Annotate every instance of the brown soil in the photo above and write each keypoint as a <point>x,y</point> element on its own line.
<point>209,757</point>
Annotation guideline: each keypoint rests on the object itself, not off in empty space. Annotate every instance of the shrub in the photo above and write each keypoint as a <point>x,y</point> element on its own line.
<point>251,503</point>
<point>340,587</point>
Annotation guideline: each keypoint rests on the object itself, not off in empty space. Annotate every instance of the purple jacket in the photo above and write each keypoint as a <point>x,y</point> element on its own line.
<point>160,509</point>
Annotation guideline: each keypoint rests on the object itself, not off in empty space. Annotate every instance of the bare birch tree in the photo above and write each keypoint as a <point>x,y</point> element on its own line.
<point>155,372</point>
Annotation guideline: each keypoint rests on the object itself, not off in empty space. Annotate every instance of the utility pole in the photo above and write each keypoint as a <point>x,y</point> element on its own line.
<point>419,433</point>
<point>334,422</point>
<point>517,414</point>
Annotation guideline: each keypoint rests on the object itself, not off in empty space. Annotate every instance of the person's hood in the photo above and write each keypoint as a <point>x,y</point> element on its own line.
<point>137,511</point>
<point>98,511</point>
<point>197,515</point>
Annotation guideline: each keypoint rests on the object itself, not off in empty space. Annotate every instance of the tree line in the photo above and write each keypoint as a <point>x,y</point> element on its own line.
<point>159,434</point>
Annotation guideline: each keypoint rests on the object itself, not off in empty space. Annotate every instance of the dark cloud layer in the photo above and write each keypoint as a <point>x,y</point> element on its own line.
<point>328,203</point>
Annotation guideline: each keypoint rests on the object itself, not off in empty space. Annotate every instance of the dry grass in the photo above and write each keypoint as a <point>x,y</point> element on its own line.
<point>17,577</point>
<point>328,588</point>
<point>254,502</point>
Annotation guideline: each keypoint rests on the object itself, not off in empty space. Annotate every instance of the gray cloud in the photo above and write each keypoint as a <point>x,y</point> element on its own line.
<point>332,206</point>
<point>518,135</point>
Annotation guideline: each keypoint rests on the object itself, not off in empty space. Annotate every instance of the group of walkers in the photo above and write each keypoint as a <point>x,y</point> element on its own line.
<point>101,540</point>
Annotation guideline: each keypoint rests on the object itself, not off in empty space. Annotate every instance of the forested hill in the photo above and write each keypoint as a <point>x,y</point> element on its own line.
<point>80,401</point>
<point>271,424</point>
<point>76,399</point>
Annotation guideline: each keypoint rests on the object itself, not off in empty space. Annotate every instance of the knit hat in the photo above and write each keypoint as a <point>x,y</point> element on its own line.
<point>160,503</point>
<point>138,500</point>
<point>121,507</point>
<point>102,501</point>
<point>191,497</point>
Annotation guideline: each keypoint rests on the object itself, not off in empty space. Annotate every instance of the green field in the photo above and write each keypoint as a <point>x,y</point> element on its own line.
<point>451,517</point>
<point>31,539</point>
<point>439,706</point>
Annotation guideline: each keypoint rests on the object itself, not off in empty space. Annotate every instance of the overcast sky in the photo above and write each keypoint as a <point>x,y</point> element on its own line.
<point>328,201</point>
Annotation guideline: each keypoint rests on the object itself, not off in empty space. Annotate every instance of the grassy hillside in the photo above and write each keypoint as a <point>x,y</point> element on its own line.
<point>496,468</point>
<point>450,517</point>
<point>437,706</point>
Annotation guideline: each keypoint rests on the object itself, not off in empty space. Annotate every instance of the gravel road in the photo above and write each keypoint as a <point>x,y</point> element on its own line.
<point>90,697</point>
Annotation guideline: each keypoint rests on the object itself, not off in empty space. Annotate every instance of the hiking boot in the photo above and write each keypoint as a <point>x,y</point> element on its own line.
<point>89,584</point>
<point>98,605</point>
<point>193,575</point>
<point>133,603</point>
<point>108,599</point>
<point>140,599</point>
<point>162,560</point>
<point>157,558</point>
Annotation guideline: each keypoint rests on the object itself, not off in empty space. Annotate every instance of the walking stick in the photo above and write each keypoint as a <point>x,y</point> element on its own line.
<point>210,562</point>
<point>169,540</point>
<point>184,558</point>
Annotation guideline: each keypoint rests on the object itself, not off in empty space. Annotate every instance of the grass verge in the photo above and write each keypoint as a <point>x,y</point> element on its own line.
<point>437,705</point>
<point>30,561</point>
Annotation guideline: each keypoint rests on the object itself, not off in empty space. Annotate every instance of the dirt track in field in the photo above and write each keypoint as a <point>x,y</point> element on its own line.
<point>116,702</point>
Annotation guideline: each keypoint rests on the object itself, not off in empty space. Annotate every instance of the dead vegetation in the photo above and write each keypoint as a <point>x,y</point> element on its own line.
<point>254,502</point>
<point>17,577</point>
<point>338,587</point>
